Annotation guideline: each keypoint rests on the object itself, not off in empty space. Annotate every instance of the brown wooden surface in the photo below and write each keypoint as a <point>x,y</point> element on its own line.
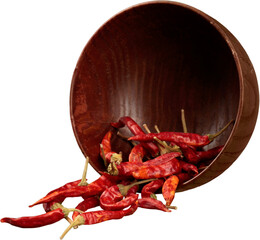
<point>151,61</point>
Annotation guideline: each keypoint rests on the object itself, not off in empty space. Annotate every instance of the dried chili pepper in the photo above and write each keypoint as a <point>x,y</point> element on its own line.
<point>57,213</point>
<point>62,188</point>
<point>169,188</point>
<point>136,129</point>
<point>105,150</point>
<point>209,154</point>
<point>163,158</point>
<point>189,153</point>
<point>127,168</point>
<point>80,182</point>
<point>92,189</point>
<point>183,177</point>
<point>36,221</point>
<point>192,139</point>
<point>94,217</point>
<point>189,167</point>
<point>151,203</point>
<point>113,197</point>
<point>194,156</point>
<point>149,189</point>
<point>86,204</point>
<point>168,168</point>
<point>137,154</point>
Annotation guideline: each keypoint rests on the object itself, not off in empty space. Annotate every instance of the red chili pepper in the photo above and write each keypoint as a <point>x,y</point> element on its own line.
<point>127,168</point>
<point>137,154</point>
<point>209,154</point>
<point>105,150</point>
<point>57,213</point>
<point>163,158</point>
<point>158,171</point>
<point>94,217</point>
<point>152,203</point>
<point>194,156</point>
<point>169,188</point>
<point>189,168</point>
<point>92,189</point>
<point>36,221</point>
<point>136,129</point>
<point>192,139</point>
<point>183,177</point>
<point>88,203</point>
<point>124,169</point>
<point>149,189</point>
<point>113,197</point>
<point>189,153</point>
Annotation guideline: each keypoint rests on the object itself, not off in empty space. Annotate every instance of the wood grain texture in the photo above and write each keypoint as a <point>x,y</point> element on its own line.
<point>150,61</point>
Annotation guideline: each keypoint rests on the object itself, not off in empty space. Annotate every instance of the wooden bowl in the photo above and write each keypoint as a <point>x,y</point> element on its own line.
<point>154,59</point>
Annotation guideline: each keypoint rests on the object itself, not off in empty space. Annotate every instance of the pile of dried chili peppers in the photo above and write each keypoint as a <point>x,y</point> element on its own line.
<point>159,161</point>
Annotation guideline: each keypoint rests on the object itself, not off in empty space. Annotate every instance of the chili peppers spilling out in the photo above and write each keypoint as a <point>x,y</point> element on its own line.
<point>158,164</point>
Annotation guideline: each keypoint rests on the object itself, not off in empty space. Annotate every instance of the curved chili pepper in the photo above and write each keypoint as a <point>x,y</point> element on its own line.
<point>209,154</point>
<point>36,221</point>
<point>105,150</point>
<point>192,139</point>
<point>94,217</point>
<point>189,153</point>
<point>113,197</point>
<point>136,129</point>
<point>137,154</point>
<point>92,189</point>
<point>183,177</point>
<point>189,168</point>
<point>124,169</point>
<point>169,188</point>
<point>163,158</point>
<point>62,188</point>
<point>127,168</point>
<point>86,204</point>
<point>151,203</point>
<point>193,156</point>
<point>158,171</point>
<point>150,188</point>
<point>57,213</point>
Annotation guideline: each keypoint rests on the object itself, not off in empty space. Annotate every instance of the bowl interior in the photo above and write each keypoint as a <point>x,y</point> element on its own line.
<point>149,62</point>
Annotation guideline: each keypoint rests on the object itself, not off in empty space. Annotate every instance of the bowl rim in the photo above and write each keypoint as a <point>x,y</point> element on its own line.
<point>218,26</point>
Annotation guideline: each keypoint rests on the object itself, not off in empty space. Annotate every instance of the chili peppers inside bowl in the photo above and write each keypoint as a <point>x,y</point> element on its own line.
<point>152,60</point>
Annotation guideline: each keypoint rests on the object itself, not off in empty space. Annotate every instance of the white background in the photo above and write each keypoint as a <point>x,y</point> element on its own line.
<point>39,46</point>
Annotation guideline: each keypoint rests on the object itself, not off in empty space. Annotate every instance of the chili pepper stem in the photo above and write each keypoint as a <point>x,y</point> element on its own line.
<point>152,195</point>
<point>183,120</point>
<point>164,144</point>
<point>83,181</point>
<point>213,136</point>
<point>172,207</point>
<point>69,220</point>
<point>162,149</point>
<point>156,129</point>
<point>146,128</point>
<point>79,220</point>
<point>103,154</point>
<point>112,169</point>
<point>117,157</point>
<point>124,189</point>
<point>125,138</point>
<point>65,210</point>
